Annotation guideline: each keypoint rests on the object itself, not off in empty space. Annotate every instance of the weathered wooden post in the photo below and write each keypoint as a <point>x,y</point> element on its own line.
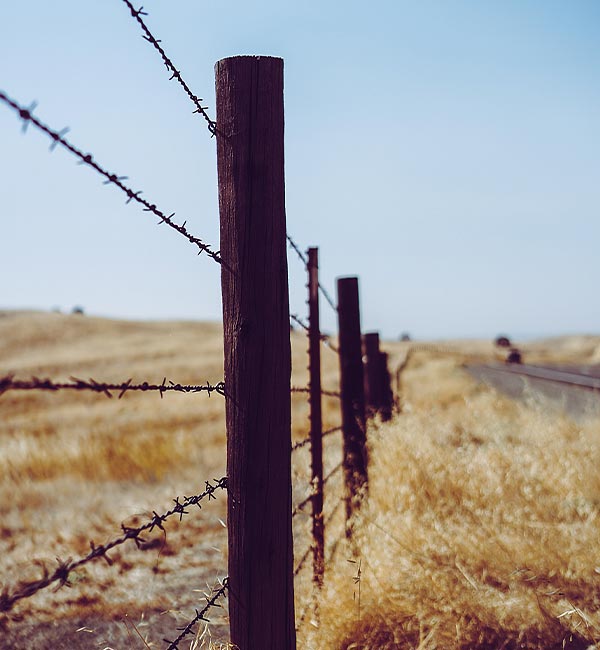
<point>353,396</point>
<point>316,424</point>
<point>249,94</point>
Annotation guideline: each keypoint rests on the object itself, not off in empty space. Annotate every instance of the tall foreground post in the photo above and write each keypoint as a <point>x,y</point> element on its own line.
<point>316,423</point>
<point>249,94</point>
<point>353,395</point>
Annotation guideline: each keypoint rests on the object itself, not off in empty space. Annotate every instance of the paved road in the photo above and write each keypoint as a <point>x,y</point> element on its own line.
<point>574,390</point>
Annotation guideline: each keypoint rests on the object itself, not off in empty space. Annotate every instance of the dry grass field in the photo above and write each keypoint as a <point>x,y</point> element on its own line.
<point>480,531</point>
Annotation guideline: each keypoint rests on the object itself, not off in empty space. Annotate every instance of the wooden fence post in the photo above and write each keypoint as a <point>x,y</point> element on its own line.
<point>387,393</point>
<point>316,424</point>
<point>249,98</point>
<point>353,396</point>
<point>378,389</point>
<point>373,378</point>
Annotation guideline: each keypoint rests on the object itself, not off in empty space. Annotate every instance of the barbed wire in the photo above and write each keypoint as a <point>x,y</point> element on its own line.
<point>304,260</point>
<point>200,615</point>
<point>300,507</point>
<point>8,383</point>
<point>324,338</point>
<point>327,297</point>
<point>297,250</point>
<point>62,572</point>
<point>26,114</point>
<point>305,441</point>
<point>306,389</point>
<point>175,74</point>
<point>310,548</point>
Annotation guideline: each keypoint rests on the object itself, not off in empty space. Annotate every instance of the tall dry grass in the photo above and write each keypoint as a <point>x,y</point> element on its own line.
<point>479,531</point>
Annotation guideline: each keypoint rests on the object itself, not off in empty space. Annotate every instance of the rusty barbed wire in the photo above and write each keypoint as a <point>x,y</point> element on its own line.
<point>323,337</point>
<point>35,383</point>
<point>175,74</point>
<point>305,441</point>
<point>26,114</point>
<point>306,389</point>
<point>61,573</point>
<point>300,507</point>
<point>200,615</point>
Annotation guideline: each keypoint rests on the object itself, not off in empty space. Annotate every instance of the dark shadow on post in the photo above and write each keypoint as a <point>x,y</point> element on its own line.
<point>249,93</point>
<point>353,396</point>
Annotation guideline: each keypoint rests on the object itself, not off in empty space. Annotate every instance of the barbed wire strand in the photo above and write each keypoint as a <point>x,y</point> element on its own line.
<point>200,615</point>
<point>300,507</point>
<point>305,441</point>
<point>297,250</point>
<point>8,383</point>
<point>306,389</point>
<point>175,73</point>
<point>323,337</point>
<point>304,260</point>
<point>310,548</point>
<point>327,297</point>
<point>26,114</point>
<point>61,573</point>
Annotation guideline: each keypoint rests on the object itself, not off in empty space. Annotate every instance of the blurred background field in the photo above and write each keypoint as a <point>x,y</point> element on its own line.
<point>480,530</point>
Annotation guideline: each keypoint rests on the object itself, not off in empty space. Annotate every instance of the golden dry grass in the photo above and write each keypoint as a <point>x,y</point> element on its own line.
<point>480,530</point>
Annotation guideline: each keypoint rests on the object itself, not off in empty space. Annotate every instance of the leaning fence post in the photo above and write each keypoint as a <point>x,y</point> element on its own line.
<point>249,99</point>
<point>316,425</point>
<point>353,396</point>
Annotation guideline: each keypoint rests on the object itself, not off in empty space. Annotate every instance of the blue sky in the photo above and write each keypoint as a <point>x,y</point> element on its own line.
<point>446,152</point>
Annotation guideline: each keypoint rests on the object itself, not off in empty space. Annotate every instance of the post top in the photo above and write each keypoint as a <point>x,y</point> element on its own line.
<point>249,57</point>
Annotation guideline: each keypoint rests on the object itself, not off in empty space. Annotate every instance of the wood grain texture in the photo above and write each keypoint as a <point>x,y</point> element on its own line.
<point>250,124</point>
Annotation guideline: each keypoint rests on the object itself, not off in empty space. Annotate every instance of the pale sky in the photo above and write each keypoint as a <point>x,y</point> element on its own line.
<point>445,151</point>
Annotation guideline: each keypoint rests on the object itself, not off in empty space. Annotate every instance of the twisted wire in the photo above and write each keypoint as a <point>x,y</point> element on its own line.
<point>26,114</point>
<point>175,74</point>
<point>8,383</point>
<point>306,389</point>
<point>62,572</point>
<point>305,441</point>
<point>324,338</point>
<point>300,507</point>
<point>200,615</point>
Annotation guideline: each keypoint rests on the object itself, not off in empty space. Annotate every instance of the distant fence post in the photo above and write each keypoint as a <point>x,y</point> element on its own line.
<point>316,424</point>
<point>387,394</point>
<point>249,99</point>
<point>373,378</point>
<point>378,390</point>
<point>353,396</point>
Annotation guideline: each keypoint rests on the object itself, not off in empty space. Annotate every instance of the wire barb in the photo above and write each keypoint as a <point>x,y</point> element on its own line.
<point>111,178</point>
<point>175,74</point>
